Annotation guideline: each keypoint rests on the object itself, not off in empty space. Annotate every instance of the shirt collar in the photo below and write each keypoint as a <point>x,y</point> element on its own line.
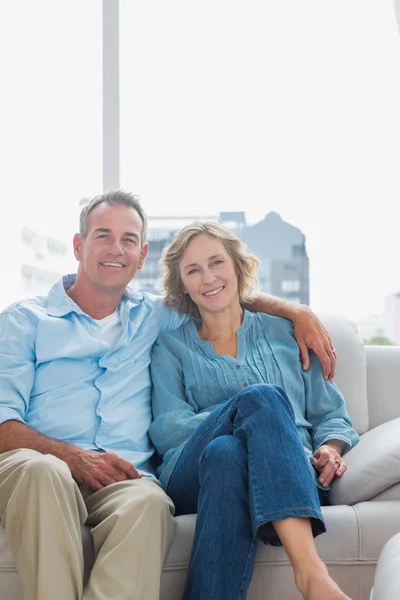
<point>60,304</point>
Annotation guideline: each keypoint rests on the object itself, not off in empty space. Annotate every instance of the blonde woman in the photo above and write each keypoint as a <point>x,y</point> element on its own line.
<point>248,440</point>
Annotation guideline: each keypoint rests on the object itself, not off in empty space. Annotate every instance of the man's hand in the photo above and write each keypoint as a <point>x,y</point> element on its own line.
<point>99,469</point>
<point>329,464</point>
<point>310,333</point>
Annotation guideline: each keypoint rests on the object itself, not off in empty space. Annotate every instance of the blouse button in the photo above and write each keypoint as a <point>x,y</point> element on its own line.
<point>238,366</point>
<point>245,384</point>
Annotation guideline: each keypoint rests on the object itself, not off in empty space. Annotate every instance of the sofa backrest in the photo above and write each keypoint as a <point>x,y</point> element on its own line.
<point>383,378</point>
<point>351,370</point>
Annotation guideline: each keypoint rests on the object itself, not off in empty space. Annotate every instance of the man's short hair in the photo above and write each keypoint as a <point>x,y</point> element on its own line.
<point>115,198</point>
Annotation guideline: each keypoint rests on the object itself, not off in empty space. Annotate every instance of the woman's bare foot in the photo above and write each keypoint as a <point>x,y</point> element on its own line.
<point>318,585</point>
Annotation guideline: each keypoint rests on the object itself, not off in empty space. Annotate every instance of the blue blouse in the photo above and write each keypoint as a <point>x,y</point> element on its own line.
<point>190,380</point>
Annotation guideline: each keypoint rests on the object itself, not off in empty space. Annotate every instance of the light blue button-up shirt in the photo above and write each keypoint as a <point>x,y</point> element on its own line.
<point>190,380</point>
<point>59,378</point>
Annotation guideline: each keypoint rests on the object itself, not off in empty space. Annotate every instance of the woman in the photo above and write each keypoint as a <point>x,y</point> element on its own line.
<point>248,440</point>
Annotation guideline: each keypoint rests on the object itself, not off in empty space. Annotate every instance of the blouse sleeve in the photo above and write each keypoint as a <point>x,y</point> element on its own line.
<point>326,409</point>
<point>174,417</point>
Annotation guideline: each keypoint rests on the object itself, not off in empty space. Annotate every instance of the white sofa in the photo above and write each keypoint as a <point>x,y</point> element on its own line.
<point>387,574</point>
<point>365,510</point>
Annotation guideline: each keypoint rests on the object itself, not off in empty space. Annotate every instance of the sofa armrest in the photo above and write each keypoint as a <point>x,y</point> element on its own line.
<point>383,384</point>
<point>387,581</point>
<point>373,466</point>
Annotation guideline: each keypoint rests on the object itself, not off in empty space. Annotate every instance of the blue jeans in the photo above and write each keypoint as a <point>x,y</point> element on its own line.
<point>242,468</point>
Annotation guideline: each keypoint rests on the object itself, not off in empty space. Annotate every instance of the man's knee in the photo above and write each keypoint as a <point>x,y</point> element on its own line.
<point>150,500</point>
<point>39,467</point>
<point>158,500</point>
<point>145,507</point>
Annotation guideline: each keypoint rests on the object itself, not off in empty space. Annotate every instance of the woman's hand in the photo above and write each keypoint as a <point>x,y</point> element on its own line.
<point>311,334</point>
<point>329,463</point>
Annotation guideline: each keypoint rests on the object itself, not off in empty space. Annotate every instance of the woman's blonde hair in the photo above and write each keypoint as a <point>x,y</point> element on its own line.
<point>246,265</point>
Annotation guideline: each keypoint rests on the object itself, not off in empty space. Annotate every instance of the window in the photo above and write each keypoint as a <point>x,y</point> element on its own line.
<point>229,107</point>
<point>36,280</point>
<point>51,136</point>
<point>290,285</point>
<point>271,114</point>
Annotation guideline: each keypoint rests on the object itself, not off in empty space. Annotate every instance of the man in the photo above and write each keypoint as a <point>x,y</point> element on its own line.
<point>75,412</point>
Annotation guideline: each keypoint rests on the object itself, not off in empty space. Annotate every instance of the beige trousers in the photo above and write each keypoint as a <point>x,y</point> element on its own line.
<point>43,510</point>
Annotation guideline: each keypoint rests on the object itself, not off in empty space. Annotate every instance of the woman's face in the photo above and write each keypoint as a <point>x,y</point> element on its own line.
<point>208,274</point>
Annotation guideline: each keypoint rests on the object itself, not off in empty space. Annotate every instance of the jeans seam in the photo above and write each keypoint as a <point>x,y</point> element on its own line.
<point>244,579</point>
<point>310,508</point>
<point>279,516</point>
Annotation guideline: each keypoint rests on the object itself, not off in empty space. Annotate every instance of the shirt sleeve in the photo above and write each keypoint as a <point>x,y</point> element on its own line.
<point>169,318</point>
<point>326,409</point>
<point>17,366</point>
<point>174,418</point>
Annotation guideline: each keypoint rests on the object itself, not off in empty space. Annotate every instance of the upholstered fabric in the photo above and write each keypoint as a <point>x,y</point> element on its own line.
<point>373,465</point>
<point>383,371</point>
<point>387,576</point>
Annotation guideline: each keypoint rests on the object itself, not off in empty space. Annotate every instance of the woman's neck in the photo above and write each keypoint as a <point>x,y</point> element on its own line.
<point>220,325</point>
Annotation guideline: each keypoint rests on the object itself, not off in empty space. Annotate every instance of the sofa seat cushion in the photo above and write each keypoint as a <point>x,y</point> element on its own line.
<point>354,534</point>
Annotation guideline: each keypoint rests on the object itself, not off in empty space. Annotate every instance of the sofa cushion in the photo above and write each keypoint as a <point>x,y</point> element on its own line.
<point>353,533</point>
<point>392,493</point>
<point>383,383</point>
<point>373,466</point>
<point>350,548</point>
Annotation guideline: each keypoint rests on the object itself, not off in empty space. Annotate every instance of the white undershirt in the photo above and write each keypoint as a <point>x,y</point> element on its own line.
<point>110,328</point>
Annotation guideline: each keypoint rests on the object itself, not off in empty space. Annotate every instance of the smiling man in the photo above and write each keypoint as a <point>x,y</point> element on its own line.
<point>75,413</point>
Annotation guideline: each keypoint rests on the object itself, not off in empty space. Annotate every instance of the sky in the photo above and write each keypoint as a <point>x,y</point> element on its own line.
<point>249,105</point>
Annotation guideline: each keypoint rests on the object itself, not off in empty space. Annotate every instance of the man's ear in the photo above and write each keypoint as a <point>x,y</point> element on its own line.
<point>143,255</point>
<point>78,243</point>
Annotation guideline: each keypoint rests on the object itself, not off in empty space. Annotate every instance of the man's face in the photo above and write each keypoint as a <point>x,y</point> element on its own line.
<point>112,251</point>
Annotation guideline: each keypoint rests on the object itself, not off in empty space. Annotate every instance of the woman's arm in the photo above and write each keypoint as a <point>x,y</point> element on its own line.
<point>174,418</point>
<point>326,409</point>
<point>308,330</point>
<point>332,432</point>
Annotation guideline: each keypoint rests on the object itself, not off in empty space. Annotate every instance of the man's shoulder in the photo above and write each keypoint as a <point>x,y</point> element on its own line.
<point>138,297</point>
<point>169,318</point>
<point>154,299</point>
<point>175,337</point>
<point>38,307</point>
<point>27,309</point>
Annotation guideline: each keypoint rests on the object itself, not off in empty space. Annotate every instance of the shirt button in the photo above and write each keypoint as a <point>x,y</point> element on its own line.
<point>245,384</point>
<point>238,366</point>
